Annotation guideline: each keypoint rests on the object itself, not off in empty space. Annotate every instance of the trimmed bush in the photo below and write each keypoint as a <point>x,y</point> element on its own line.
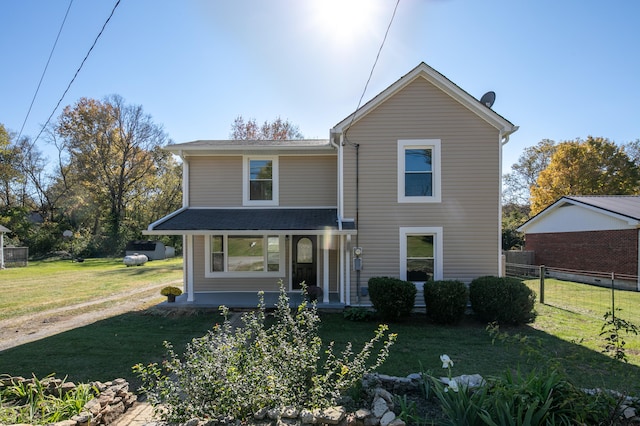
<point>392,298</point>
<point>502,299</point>
<point>445,300</point>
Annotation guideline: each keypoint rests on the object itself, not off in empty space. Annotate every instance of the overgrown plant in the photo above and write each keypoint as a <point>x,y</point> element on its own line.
<point>232,373</point>
<point>32,402</point>
<point>612,329</point>
<point>541,397</point>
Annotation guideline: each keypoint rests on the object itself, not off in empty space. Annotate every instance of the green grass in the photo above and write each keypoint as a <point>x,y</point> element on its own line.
<point>47,285</point>
<point>107,349</point>
<point>560,337</point>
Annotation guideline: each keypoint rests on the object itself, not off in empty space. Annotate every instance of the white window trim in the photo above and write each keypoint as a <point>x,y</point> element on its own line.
<point>434,145</point>
<point>242,274</point>
<point>246,201</point>
<point>436,231</point>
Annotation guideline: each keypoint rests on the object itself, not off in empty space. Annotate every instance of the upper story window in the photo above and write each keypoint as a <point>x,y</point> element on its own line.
<point>419,171</point>
<point>260,181</point>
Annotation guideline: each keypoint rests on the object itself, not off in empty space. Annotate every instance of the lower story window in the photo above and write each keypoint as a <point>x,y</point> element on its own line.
<point>420,258</point>
<point>421,253</point>
<point>244,254</point>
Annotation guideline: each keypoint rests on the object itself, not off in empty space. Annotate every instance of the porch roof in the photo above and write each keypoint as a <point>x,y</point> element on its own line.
<point>207,220</point>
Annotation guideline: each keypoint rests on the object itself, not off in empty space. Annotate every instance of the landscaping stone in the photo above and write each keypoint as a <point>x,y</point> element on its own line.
<point>388,417</point>
<point>331,416</point>
<point>111,401</point>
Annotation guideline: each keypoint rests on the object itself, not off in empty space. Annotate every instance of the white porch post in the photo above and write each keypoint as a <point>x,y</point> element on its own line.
<point>325,268</point>
<point>1,250</point>
<point>187,244</point>
<point>638,260</point>
<point>347,264</point>
<point>341,269</point>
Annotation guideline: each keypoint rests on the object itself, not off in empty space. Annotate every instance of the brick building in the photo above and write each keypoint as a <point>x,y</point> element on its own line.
<point>587,233</point>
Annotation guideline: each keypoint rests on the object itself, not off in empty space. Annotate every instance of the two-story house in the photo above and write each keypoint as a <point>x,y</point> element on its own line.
<point>408,186</point>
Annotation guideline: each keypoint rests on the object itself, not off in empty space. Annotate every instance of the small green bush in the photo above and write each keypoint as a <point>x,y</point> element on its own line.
<point>445,300</point>
<point>392,298</point>
<point>502,299</point>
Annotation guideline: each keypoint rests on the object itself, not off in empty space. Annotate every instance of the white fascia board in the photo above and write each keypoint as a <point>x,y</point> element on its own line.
<point>565,200</point>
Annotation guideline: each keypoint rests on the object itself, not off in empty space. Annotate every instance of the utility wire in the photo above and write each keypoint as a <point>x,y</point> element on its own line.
<point>77,71</point>
<point>45,69</point>
<point>372,69</point>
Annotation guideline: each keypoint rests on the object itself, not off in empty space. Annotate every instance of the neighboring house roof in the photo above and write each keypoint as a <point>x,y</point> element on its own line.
<point>208,147</point>
<point>3,229</point>
<point>624,209</point>
<point>443,83</point>
<point>280,219</point>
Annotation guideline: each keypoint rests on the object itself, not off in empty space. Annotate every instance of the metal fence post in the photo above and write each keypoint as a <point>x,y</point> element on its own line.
<point>613,295</point>
<point>542,273</point>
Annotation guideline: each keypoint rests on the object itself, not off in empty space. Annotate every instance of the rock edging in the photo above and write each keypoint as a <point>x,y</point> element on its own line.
<point>112,399</point>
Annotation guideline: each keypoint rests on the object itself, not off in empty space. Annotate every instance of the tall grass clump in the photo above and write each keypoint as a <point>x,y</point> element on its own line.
<point>36,402</point>
<point>233,373</point>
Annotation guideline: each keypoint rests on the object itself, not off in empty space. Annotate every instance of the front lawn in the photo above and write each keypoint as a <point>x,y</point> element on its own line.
<point>109,348</point>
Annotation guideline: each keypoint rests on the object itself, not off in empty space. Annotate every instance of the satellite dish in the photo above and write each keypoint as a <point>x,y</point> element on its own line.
<point>67,234</point>
<point>488,99</point>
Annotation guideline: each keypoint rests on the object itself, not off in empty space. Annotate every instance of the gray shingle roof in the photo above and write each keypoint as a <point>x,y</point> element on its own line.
<point>625,205</point>
<point>196,219</point>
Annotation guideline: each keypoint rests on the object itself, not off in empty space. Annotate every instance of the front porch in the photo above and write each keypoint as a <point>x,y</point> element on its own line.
<point>246,300</point>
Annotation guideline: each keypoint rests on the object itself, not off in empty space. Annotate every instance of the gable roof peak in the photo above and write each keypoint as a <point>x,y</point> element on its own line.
<point>422,70</point>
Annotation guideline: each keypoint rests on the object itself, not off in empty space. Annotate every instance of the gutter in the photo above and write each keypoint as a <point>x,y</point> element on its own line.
<point>504,134</point>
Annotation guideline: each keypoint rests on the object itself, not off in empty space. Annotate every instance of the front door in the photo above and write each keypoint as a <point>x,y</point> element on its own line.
<point>304,260</point>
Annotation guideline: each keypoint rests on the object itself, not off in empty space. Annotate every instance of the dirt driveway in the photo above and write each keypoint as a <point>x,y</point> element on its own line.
<point>32,327</point>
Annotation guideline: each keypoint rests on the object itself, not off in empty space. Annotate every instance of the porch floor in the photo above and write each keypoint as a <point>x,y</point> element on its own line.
<point>246,300</point>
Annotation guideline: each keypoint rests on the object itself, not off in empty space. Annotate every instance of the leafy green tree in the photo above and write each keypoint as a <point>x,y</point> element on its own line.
<point>111,151</point>
<point>524,173</point>
<point>11,178</point>
<point>595,166</point>
<point>513,215</point>
<point>277,129</point>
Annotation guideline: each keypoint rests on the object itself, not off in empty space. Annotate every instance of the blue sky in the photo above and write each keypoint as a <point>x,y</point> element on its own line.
<point>560,69</point>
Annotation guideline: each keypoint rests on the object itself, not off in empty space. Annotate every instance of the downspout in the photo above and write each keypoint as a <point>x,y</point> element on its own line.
<point>503,139</point>
<point>357,147</point>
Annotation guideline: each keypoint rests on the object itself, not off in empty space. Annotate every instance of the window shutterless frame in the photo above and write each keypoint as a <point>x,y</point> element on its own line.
<point>419,171</point>
<point>260,180</point>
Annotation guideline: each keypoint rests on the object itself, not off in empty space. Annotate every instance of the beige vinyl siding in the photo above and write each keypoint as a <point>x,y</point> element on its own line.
<point>470,189</point>
<point>304,181</point>
<point>308,181</point>
<point>215,181</point>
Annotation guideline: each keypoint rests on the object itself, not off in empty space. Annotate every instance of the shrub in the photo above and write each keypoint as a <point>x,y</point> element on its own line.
<point>233,373</point>
<point>502,299</point>
<point>392,298</point>
<point>445,300</point>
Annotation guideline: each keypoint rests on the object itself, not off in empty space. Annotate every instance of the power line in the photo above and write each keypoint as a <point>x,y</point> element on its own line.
<point>374,65</point>
<point>77,71</point>
<point>45,69</point>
